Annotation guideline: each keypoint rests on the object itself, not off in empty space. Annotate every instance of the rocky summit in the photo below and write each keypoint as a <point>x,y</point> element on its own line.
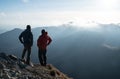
<point>12,67</point>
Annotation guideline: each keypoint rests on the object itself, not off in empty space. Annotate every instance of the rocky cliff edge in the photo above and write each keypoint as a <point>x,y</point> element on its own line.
<point>11,67</point>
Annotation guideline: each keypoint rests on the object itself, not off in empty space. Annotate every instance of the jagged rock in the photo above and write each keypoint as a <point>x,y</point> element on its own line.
<point>12,67</point>
<point>2,66</point>
<point>52,73</point>
<point>21,64</point>
<point>6,76</point>
<point>13,57</point>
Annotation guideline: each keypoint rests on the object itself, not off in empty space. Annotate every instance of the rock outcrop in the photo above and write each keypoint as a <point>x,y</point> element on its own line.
<point>11,67</point>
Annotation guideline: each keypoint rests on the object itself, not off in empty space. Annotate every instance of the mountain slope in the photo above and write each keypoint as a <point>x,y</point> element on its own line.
<point>94,52</point>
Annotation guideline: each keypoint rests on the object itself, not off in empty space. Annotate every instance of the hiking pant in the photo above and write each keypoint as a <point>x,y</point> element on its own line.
<point>27,49</point>
<point>42,56</point>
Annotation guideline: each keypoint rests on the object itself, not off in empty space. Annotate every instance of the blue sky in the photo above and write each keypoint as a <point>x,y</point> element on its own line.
<point>55,12</point>
<point>38,5</point>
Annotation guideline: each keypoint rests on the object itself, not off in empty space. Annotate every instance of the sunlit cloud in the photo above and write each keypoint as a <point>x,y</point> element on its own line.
<point>108,4</point>
<point>111,47</point>
<point>86,19</point>
<point>2,14</point>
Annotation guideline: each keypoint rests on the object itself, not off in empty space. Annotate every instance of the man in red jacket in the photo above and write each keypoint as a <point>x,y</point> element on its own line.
<point>43,41</point>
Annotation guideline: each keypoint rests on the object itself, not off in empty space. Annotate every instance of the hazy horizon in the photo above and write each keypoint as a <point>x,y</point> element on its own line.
<point>19,13</point>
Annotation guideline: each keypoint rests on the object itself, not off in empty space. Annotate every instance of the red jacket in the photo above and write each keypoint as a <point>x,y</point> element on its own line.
<point>43,41</point>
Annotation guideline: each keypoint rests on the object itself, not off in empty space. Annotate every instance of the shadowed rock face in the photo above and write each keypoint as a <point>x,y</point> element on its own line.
<point>13,67</point>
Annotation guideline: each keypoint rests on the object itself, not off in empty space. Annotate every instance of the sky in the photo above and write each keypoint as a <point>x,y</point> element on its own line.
<point>19,13</point>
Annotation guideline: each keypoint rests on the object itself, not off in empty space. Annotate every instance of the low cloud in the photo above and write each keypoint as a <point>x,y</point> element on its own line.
<point>110,47</point>
<point>2,14</point>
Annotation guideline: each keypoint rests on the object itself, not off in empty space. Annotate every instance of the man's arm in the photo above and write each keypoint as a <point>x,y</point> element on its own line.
<point>31,39</point>
<point>38,41</point>
<point>49,40</point>
<point>20,38</point>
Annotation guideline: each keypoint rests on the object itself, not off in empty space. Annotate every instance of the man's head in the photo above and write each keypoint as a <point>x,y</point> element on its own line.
<point>28,27</point>
<point>43,31</point>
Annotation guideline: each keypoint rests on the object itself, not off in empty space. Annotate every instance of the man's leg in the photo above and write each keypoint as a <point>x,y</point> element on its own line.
<point>40,56</point>
<point>44,57</point>
<point>23,53</point>
<point>28,55</point>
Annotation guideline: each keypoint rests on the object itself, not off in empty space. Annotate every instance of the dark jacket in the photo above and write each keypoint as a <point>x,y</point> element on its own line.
<point>26,37</point>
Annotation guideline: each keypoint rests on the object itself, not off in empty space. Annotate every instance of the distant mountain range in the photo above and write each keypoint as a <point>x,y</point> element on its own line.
<point>81,53</point>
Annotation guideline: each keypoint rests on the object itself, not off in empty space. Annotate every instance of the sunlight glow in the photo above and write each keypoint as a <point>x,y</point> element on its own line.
<point>108,4</point>
<point>81,13</point>
<point>78,18</point>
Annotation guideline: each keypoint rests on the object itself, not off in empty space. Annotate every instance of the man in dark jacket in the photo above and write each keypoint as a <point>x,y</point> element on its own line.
<point>26,38</point>
<point>43,41</point>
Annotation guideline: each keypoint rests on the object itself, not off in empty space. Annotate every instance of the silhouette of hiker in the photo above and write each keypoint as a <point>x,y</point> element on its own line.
<point>26,38</point>
<point>43,41</point>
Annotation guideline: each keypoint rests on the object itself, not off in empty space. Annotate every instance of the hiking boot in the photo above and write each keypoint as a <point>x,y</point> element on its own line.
<point>23,60</point>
